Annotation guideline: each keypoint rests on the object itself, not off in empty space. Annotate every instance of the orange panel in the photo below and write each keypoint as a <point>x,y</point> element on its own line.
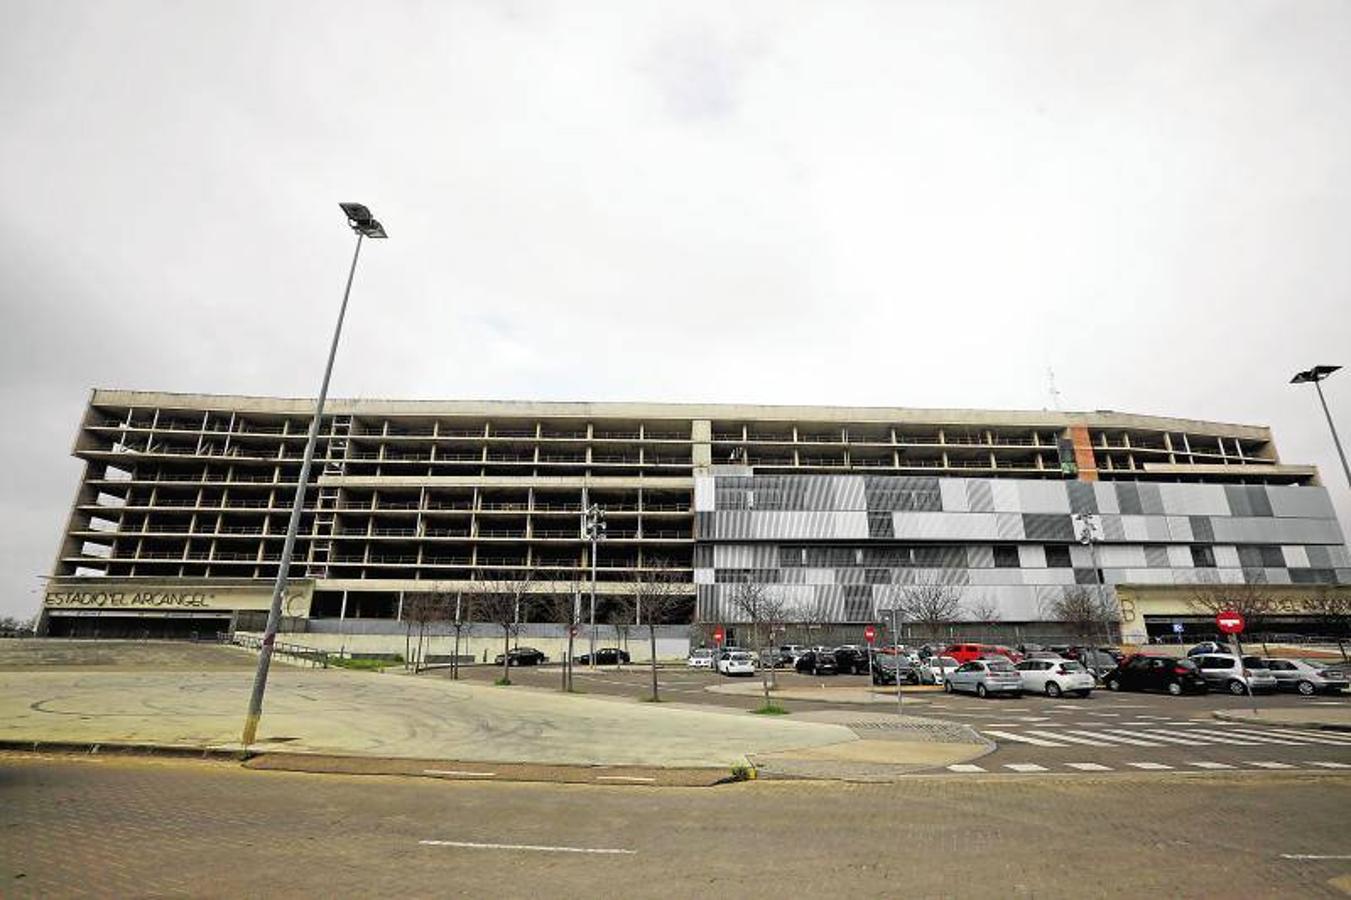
<point>1083,453</point>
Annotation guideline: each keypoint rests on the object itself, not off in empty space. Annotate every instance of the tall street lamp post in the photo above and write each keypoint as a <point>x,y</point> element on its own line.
<point>365,226</point>
<point>593,529</point>
<point>1316,375</point>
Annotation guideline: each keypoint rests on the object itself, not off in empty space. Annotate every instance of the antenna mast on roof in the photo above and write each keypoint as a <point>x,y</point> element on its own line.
<point>1051,389</point>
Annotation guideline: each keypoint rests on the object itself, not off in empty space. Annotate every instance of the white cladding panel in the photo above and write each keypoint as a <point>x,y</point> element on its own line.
<point>953,493</point>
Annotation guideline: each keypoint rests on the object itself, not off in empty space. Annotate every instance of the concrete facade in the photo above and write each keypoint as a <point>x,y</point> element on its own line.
<point>185,491</point>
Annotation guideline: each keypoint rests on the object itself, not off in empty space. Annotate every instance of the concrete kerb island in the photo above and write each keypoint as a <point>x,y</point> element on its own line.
<point>1319,719</point>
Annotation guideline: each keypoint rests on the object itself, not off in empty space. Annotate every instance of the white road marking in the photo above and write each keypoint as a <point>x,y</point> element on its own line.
<point>1118,715</point>
<point>1089,767</point>
<point>1331,765</point>
<point>459,774</point>
<point>1001,725</point>
<point>1343,739</point>
<point>1314,856</point>
<point>1056,735</point>
<point>965,767</point>
<point>1025,767</point>
<point>1292,735</point>
<point>1169,737</point>
<point>1244,736</point>
<point>1010,736</point>
<point>473,845</point>
<point>1134,742</point>
<point>1270,765</point>
<point>1219,738</point>
<point>1034,719</point>
<point>1149,766</point>
<point>623,778</point>
<point>1210,765</point>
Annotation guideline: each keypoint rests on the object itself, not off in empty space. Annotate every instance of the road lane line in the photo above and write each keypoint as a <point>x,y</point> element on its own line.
<point>541,848</point>
<point>1210,737</point>
<point>1331,765</point>
<point>1342,740</point>
<point>624,778</point>
<point>1056,735</point>
<point>1089,767</point>
<point>1010,736</point>
<point>1134,742</point>
<point>964,767</point>
<point>1294,736</point>
<point>1314,856</point>
<point>1169,737</point>
<point>1025,767</point>
<point>1149,766</point>
<point>459,774</point>
<point>1270,765</point>
<point>1238,735</point>
<point>1210,765</point>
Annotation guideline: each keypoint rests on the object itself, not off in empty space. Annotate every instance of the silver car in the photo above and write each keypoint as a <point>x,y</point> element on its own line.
<point>1307,676</point>
<point>935,669</point>
<point>985,677</point>
<point>1226,671</point>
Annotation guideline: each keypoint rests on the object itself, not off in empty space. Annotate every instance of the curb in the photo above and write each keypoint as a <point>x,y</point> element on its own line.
<point>1249,719</point>
<point>439,769</point>
<point>111,747</point>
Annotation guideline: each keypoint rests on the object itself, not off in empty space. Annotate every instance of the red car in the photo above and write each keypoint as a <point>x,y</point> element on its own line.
<point>964,653</point>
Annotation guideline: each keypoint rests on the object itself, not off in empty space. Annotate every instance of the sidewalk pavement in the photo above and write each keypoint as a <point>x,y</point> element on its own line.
<point>1325,718</point>
<point>867,696</point>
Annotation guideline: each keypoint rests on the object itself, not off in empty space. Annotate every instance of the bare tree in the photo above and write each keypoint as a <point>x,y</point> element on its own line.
<point>1085,613</point>
<point>563,608</point>
<point>500,601</point>
<point>931,606</point>
<point>460,613</point>
<point>659,588</point>
<point>419,611</point>
<point>1252,601</point>
<point>983,610</point>
<point>762,608</point>
<point>1331,609</point>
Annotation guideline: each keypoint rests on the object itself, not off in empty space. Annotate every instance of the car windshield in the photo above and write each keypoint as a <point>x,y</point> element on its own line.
<point>1070,665</point>
<point>702,653</point>
<point>1000,666</point>
<point>741,657</point>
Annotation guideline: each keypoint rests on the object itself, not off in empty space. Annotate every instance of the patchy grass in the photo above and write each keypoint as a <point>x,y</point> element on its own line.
<point>363,664</point>
<point>742,773</point>
<point>770,709</point>
<point>503,682</point>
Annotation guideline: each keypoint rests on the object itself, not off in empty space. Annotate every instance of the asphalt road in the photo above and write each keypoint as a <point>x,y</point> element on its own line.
<point>1103,733</point>
<point>154,827</point>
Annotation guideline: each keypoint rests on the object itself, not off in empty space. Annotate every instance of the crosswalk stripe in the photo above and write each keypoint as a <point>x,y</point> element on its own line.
<point>1218,738</point>
<point>1169,737</point>
<point>1331,765</point>
<point>1134,742</point>
<point>1089,767</point>
<point>1271,765</point>
<point>1149,766</point>
<point>1329,736</point>
<point>1258,738</point>
<point>1210,765</point>
<point>1025,767</point>
<point>1059,736</point>
<point>1010,736</point>
<point>965,767</point>
<point>1295,736</point>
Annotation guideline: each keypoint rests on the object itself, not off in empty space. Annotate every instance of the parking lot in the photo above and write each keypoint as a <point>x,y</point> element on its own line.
<point>1105,732</point>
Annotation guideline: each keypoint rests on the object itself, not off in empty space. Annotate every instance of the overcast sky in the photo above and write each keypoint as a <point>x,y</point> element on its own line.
<point>915,204</point>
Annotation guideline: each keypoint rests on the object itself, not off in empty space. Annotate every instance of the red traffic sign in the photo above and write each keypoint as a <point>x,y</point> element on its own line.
<point>717,635</point>
<point>1230,622</point>
<point>870,634</point>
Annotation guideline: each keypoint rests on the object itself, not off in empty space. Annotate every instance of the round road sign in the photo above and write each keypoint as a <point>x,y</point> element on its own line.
<point>1230,622</point>
<point>717,635</point>
<point>870,634</point>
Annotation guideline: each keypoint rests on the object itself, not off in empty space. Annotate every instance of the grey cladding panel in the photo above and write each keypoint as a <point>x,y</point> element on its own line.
<point>979,496</point>
<point>1128,498</point>
<point>1082,499</point>
<point>1040,527</point>
<point>1202,531</point>
<point>1151,502</point>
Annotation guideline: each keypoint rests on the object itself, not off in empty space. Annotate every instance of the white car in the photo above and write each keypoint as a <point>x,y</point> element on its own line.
<point>935,669</point>
<point>738,662</point>
<point>700,658</point>
<point>1054,677</point>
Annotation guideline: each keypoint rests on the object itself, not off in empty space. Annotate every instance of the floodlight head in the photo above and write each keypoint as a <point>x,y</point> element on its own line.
<point>1317,373</point>
<point>361,220</point>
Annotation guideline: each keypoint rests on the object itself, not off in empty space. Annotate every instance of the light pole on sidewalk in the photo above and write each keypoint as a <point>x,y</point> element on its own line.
<point>1316,375</point>
<point>366,226</point>
<point>593,529</point>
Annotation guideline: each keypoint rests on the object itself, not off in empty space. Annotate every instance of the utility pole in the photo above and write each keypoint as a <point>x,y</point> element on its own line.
<point>593,530</point>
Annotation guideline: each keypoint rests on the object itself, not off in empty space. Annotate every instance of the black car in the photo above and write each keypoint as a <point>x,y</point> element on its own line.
<point>887,666</point>
<point>817,663</point>
<point>605,656</point>
<point>852,660</point>
<point>522,656</point>
<point>1156,673</point>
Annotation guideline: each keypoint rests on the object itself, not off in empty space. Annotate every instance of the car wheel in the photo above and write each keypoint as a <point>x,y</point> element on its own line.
<point>1175,688</point>
<point>947,687</point>
<point>1114,684</point>
<point>1236,688</point>
<point>981,692</point>
<point>1052,689</point>
<point>1306,688</point>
